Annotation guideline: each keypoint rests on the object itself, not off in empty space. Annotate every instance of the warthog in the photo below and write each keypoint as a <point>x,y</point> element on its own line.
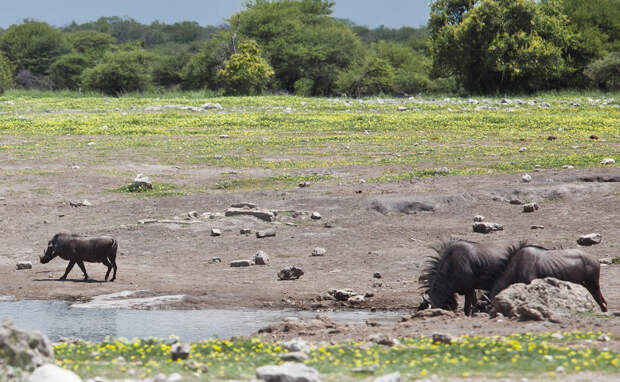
<point>78,249</point>
<point>461,267</point>
<point>528,262</point>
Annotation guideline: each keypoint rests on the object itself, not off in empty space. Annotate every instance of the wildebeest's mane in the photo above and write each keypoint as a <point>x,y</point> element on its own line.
<point>522,244</point>
<point>431,279</point>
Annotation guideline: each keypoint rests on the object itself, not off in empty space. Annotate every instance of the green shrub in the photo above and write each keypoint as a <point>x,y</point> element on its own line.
<point>120,72</point>
<point>605,72</point>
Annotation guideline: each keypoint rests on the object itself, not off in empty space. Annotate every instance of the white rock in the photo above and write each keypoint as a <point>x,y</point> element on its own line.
<point>295,345</point>
<point>478,218</point>
<point>394,377</point>
<point>24,265</point>
<point>522,149</point>
<point>260,258</point>
<point>568,166</point>
<point>318,251</point>
<point>53,373</point>
<point>608,161</point>
<point>91,143</point>
<point>402,108</point>
<point>287,372</point>
<point>174,377</point>
<point>526,178</point>
<point>209,105</point>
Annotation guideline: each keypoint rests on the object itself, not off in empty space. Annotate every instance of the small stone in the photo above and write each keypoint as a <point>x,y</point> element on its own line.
<point>209,105</point>
<point>394,377</point>
<point>290,273</point>
<point>315,215</point>
<point>217,156</point>
<point>192,214</point>
<point>594,137</point>
<point>224,136</point>
<point>608,161</point>
<point>557,336</point>
<point>560,370</point>
<point>590,239</point>
<point>342,294</point>
<point>377,275</point>
<point>261,258</point>
<point>293,356</point>
<point>522,149</point>
<point>357,299</point>
<point>603,338</point>
<point>482,227</point>
<point>442,338</point>
<point>526,178</point>
<point>215,260</point>
<point>245,231</point>
<point>240,263</point>
<point>91,143</point>
<point>478,218</point>
<point>142,181</point>
<point>52,373</point>
<point>295,345</point>
<point>266,233</point>
<point>530,207</point>
<point>545,105</point>
<point>318,251</point>
<point>568,166</point>
<point>179,351</point>
<point>304,184</point>
<point>537,226</point>
<point>401,108</point>
<point>287,372</point>
<point>548,358</point>
<point>120,360</point>
<point>552,138</point>
<point>382,339</point>
<point>605,261</point>
<point>515,202</point>
<point>174,377</point>
<point>216,232</point>
<point>24,265</point>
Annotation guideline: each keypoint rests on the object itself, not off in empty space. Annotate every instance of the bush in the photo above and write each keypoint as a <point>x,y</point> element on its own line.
<point>372,76</point>
<point>120,72</point>
<point>66,71</point>
<point>303,87</point>
<point>28,80</point>
<point>6,73</point>
<point>605,72</point>
<point>246,72</point>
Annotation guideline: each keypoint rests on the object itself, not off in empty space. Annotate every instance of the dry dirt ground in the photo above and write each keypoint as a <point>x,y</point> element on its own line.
<point>172,259</point>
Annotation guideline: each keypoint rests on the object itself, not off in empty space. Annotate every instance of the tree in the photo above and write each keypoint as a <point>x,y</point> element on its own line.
<point>6,73</point>
<point>119,72</point>
<point>246,72</point>
<point>499,45</point>
<point>91,43</point>
<point>200,72</point>
<point>66,71</point>
<point>300,40</point>
<point>606,72</point>
<point>33,46</point>
<point>373,75</point>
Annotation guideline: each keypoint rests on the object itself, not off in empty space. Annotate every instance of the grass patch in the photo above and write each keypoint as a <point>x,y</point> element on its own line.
<point>517,355</point>
<point>158,190</point>
<point>272,182</point>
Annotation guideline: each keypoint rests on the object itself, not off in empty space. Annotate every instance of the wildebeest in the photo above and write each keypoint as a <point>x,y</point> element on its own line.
<point>461,267</point>
<point>78,249</point>
<point>528,262</point>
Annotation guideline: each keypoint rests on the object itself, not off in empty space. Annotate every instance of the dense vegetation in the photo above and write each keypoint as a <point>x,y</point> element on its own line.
<point>473,46</point>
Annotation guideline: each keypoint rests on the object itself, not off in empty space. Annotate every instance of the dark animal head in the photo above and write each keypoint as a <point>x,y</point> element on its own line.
<point>438,289</point>
<point>50,252</point>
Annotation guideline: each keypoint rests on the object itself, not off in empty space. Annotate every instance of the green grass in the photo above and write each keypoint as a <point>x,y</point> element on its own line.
<point>159,190</point>
<point>287,133</point>
<point>519,355</point>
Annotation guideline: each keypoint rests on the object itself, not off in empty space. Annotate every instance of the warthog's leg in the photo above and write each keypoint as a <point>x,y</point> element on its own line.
<point>470,300</point>
<point>107,264</point>
<point>80,263</point>
<point>69,267</point>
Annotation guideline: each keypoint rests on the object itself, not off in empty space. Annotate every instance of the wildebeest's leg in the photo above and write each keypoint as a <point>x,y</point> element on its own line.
<point>69,267</point>
<point>113,262</point>
<point>80,263</point>
<point>107,264</point>
<point>595,291</point>
<point>470,300</point>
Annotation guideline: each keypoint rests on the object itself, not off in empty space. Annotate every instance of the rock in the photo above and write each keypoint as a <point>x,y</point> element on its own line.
<point>434,312</point>
<point>482,227</point>
<point>194,365</point>
<point>478,218</point>
<point>293,356</point>
<point>342,294</point>
<point>290,273</point>
<point>304,184</point>
<point>546,105</point>
<point>603,338</point>
<point>394,377</point>
<point>209,106</point>
<point>84,203</point>
<point>567,166</point>
<point>91,143</point>
<point>24,265</point>
<point>179,351</point>
<point>215,260</point>
<point>606,261</point>
<point>265,233</point>
<point>377,275</point>
<point>318,251</point>
<point>258,213</point>
<point>594,137</point>
<point>295,345</point>
<point>53,373</point>
<point>526,178</point>
<point>401,108</point>
<point>357,299</point>
<point>192,214</point>
<point>441,338</point>
<point>552,138</point>
<point>24,350</point>
<point>244,205</point>
<point>608,161</point>
<point>224,136</point>
<point>240,263</point>
<point>245,231</point>
<point>383,339</point>
<point>261,258</point>
<point>537,226</point>
<point>543,299</point>
<point>506,101</point>
<point>287,372</point>
<point>315,215</point>
<point>174,377</point>
<point>530,207</point>
<point>515,202</point>
<point>142,181</point>
<point>216,232</point>
<point>590,239</point>
<point>522,149</point>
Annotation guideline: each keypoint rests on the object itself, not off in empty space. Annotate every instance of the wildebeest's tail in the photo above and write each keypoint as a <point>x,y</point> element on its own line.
<point>437,286</point>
